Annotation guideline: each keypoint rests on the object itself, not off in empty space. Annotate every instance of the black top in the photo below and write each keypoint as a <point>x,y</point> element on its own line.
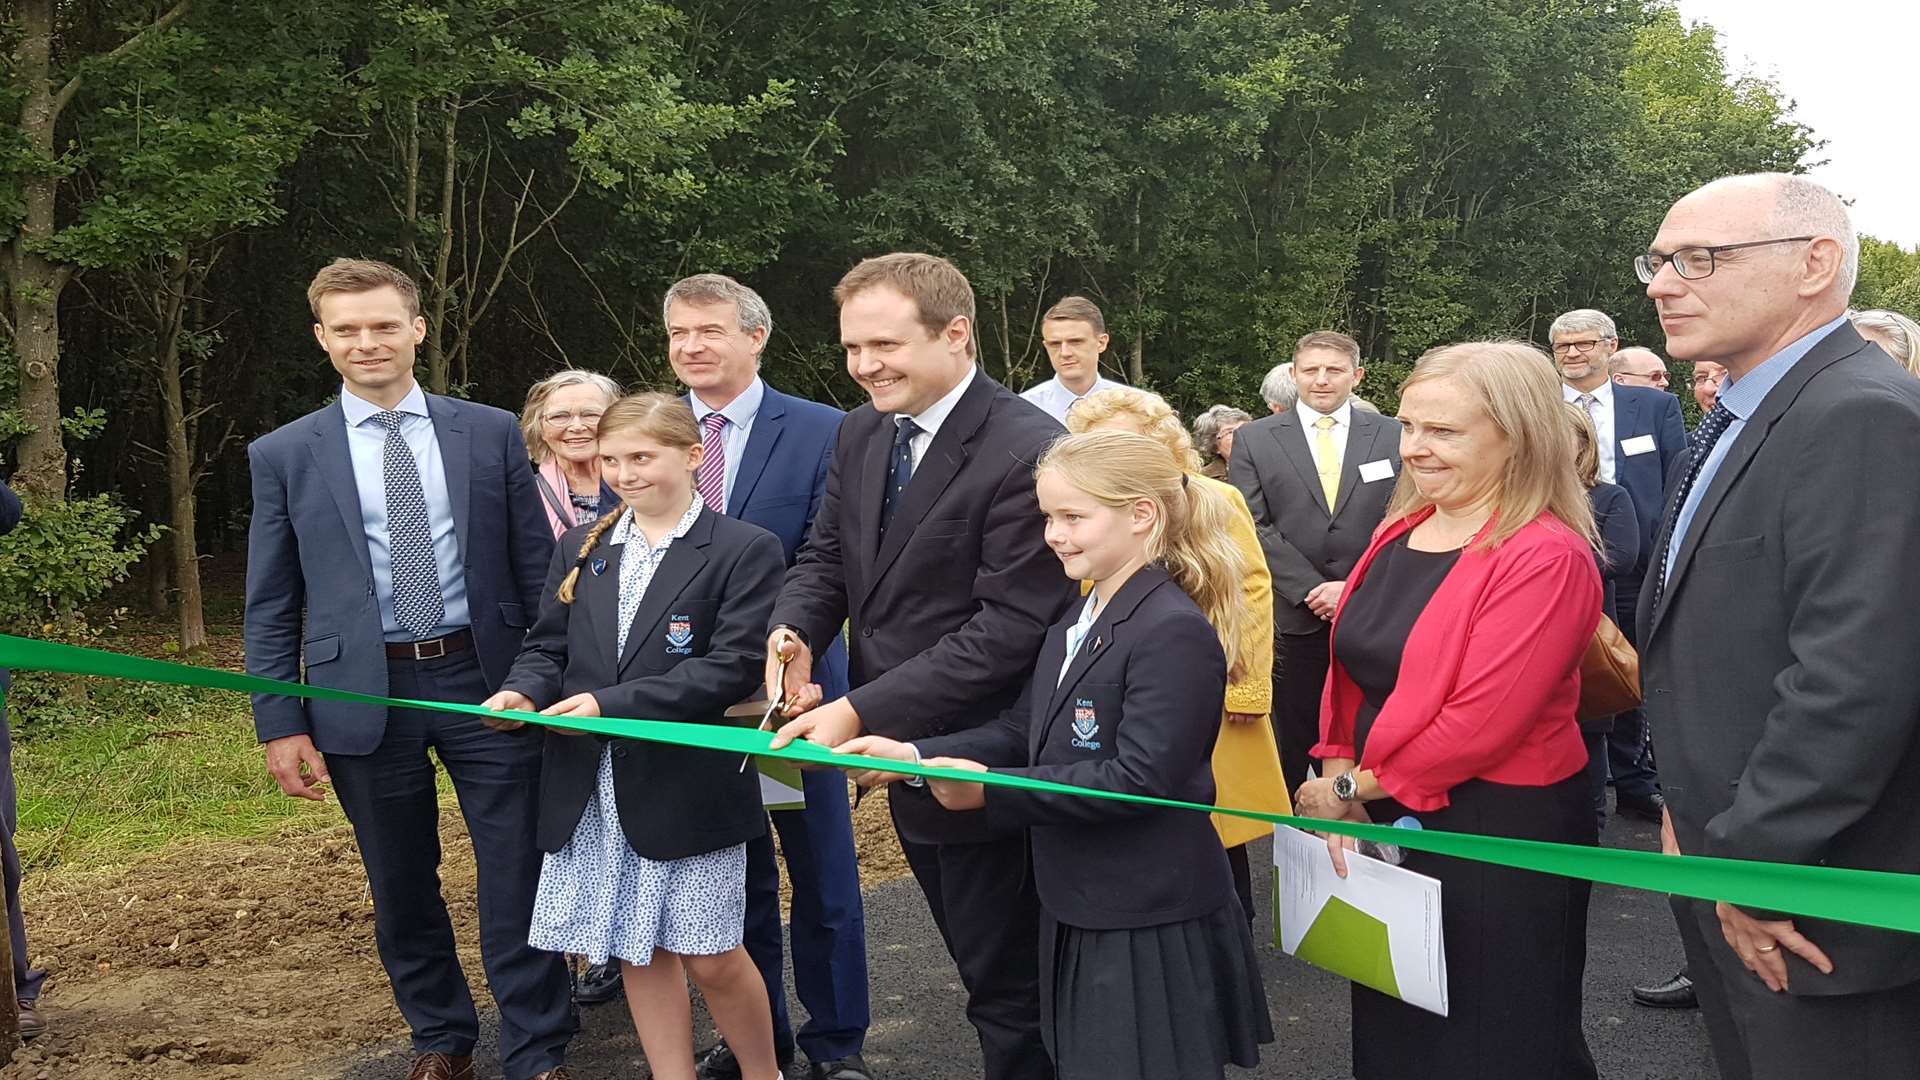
<point>1379,616</point>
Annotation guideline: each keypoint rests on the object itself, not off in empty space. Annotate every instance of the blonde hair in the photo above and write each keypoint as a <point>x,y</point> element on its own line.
<point>1156,418</point>
<point>1586,446</point>
<point>664,418</point>
<point>532,429</point>
<point>1902,334</point>
<point>1518,387</point>
<point>1192,535</point>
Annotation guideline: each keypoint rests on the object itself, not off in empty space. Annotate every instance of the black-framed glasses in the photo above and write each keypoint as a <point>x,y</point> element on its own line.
<point>1568,348</point>
<point>1694,263</point>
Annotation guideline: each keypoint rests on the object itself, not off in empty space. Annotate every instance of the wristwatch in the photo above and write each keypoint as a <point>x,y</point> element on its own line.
<point>1345,787</point>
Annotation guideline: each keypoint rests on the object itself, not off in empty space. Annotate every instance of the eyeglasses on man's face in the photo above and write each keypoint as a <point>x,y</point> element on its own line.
<point>1583,346</point>
<point>1694,263</point>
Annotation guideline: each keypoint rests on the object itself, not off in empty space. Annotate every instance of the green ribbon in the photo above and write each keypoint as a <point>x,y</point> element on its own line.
<point>1868,897</point>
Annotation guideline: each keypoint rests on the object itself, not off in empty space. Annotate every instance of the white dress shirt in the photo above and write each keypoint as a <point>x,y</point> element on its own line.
<point>1342,427</point>
<point>936,414</point>
<point>1054,397</point>
<point>1602,412</point>
<point>739,413</point>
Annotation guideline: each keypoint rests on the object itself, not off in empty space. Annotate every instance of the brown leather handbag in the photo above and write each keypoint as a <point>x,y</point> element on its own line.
<point>1609,673</point>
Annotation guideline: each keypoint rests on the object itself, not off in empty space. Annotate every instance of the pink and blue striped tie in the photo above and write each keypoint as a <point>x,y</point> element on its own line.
<point>712,480</point>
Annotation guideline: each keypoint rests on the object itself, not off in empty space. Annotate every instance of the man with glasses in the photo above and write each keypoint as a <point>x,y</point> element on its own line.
<point>1640,432</point>
<point>1707,376</point>
<point>1777,629</point>
<point>1637,366</point>
<point>766,461</point>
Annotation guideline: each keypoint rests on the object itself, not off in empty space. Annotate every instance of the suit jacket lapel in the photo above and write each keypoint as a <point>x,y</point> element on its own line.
<point>683,560</point>
<point>1626,422</point>
<point>1293,443</point>
<point>1052,654</point>
<point>599,594</point>
<point>1363,430</point>
<point>768,423</point>
<point>870,494</point>
<point>1099,637</point>
<point>937,468</point>
<point>456,461</point>
<point>335,460</point>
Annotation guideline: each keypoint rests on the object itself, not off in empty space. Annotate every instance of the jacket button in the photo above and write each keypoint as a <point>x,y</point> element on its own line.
<point>619,751</point>
<point>866,631</point>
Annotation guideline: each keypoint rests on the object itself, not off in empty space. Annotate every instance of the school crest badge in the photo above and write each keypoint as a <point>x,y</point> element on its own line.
<point>598,566</point>
<point>680,631</point>
<point>1086,724</point>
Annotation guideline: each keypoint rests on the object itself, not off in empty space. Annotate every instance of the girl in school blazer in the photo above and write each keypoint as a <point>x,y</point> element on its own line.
<point>659,612</point>
<point>1147,965</point>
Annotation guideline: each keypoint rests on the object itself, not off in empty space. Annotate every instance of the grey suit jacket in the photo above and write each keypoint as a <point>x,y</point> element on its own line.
<point>1306,544</point>
<point>1780,664</point>
<point>311,609</point>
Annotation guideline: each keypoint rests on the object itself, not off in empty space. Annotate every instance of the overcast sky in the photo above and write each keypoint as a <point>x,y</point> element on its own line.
<point>1840,63</point>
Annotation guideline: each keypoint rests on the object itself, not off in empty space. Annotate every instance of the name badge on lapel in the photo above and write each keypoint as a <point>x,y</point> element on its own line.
<point>1086,724</point>
<point>680,634</point>
<point>1376,470</point>
<point>1639,444</point>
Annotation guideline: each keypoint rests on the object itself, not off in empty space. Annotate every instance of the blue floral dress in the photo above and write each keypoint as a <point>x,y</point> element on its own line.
<point>597,898</point>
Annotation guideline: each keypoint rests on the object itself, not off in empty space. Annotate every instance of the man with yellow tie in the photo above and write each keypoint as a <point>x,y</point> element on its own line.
<point>1317,478</point>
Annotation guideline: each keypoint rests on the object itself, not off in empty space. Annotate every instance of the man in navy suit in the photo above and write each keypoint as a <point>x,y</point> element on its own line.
<point>767,455</point>
<point>398,548</point>
<point>1641,433</point>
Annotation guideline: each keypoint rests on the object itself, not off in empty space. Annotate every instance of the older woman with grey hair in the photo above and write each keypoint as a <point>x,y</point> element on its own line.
<point>1278,389</point>
<point>561,423</point>
<point>1893,332</point>
<point>1213,437</point>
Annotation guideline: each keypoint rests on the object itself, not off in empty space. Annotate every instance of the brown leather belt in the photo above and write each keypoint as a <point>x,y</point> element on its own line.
<point>432,649</point>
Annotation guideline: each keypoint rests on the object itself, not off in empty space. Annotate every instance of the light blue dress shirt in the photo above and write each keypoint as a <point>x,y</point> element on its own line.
<point>366,442</point>
<point>739,413</point>
<point>1741,397</point>
<point>1056,399</point>
<point>1077,634</point>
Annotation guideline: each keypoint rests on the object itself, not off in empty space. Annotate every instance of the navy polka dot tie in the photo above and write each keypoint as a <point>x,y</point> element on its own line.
<point>902,469</point>
<point>1702,440</point>
<point>417,603</point>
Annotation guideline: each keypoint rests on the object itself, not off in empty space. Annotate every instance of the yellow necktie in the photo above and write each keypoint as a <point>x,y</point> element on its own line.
<point>1327,459</point>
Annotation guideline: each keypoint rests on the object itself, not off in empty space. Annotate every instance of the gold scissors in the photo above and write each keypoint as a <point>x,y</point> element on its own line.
<point>773,706</point>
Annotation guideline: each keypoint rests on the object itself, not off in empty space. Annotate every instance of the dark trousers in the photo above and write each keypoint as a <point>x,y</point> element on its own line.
<point>1597,774</point>
<point>982,899</point>
<point>1630,746</point>
<point>1299,678</point>
<point>389,797</point>
<point>1242,880</point>
<point>26,980</point>
<point>828,922</point>
<point>1760,1035</point>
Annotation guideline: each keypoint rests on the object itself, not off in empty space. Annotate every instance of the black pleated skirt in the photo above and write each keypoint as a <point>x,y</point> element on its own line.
<point>1516,950</point>
<point>1180,1000</point>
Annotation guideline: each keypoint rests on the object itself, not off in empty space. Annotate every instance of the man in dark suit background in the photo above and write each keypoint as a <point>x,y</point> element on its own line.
<point>1785,569</point>
<point>1640,434</point>
<point>930,548</point>
<point>1317,477</point>
<point>27,980</point>
<point>398,548</point>
<point>766,461</point>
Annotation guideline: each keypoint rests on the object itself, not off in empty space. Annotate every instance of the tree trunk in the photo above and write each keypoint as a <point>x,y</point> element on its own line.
<point>171,303</point>
<point>437,360</point>
<point>158,559</point>
<point>33,283</point>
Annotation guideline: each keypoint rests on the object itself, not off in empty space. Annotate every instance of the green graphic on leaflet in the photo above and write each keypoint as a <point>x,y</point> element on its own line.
<point>1349,942</point>
<point>780,785</point>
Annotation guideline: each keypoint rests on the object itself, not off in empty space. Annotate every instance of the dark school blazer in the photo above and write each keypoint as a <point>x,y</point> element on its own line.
<point>1138,711</point>
<point>697,645</point>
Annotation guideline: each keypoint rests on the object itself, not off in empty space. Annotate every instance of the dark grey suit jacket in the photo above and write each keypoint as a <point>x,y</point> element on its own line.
<point>1305,543</point>
<point>311,608</point>
<point>1780,665</point>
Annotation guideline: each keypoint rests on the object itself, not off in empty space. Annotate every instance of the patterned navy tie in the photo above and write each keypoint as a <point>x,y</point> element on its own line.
<point>417,603</point>
<point>902,469</point>
<point>1703,439</point>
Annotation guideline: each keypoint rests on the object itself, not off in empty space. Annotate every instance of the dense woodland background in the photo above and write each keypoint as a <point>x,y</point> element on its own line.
<point>1221,176</point>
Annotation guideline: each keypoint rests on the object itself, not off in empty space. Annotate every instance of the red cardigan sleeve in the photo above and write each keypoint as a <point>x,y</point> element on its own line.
<point>1524,639</point>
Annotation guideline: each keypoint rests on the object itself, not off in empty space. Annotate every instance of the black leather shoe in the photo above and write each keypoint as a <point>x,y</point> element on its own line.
<point>1646,808</point>
<point>847,1068</point>
<point>32,1024</point>
<point>599,985</point>
<point>720,1064</point>
<point>1675,993</point>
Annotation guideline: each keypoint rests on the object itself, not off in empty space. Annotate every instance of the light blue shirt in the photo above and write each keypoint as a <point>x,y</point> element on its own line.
<point>739,413</point>
<point>1741,397</point>
<point>1077,634</point>
<point>1056,399</point>
<point>367,441</point>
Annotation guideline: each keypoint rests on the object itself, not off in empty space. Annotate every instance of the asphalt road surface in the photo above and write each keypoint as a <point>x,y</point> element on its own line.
<point>920,1031</point>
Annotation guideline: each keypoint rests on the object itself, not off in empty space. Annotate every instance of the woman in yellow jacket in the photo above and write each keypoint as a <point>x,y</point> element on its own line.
<point>1246,763</point>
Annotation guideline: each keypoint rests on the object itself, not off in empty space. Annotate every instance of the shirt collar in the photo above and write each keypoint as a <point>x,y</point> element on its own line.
<point>740,411</point>
<point>936,414</point>
<point>359,409</point>
<point>1342,416</point>
<point>1602,393</point>
<point>1743,395</point>
<point>625,530</point>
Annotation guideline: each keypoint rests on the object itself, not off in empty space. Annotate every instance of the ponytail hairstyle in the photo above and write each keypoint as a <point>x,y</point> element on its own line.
<point>1192,535</point>
<point>664,418</point>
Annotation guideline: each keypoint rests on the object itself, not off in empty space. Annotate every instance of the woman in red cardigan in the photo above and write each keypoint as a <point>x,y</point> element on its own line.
<point>1455,678</point>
